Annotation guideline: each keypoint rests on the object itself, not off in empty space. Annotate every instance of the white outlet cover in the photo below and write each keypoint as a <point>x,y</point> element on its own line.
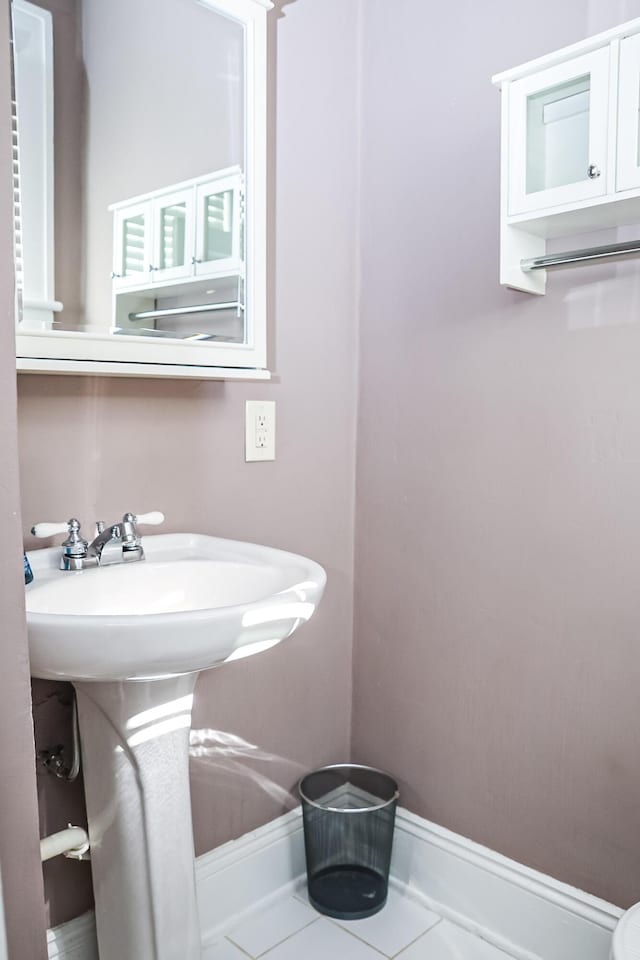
<point>260,430</point>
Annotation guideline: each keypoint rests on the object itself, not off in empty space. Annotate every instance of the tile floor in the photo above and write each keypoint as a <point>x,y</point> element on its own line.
<point>290,929</point>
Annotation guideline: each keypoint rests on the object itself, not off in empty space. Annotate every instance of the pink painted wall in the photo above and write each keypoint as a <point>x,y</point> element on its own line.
<point>496,665</point>
<point>97,447</point>
<point>19,850</point>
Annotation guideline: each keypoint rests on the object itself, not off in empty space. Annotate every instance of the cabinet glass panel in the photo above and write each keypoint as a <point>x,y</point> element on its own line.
<point>173,239</point>
<point>133,246</point>
<point>558,135</point>
<point>218,225</point>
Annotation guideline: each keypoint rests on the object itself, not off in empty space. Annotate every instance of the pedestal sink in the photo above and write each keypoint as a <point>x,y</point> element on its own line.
<point>132,639</point>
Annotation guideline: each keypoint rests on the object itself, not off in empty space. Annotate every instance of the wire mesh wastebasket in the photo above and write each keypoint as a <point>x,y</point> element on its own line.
<point>348,814</point>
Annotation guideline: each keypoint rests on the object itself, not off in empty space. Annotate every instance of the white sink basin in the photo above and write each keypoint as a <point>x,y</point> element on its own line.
<point>194,602</point>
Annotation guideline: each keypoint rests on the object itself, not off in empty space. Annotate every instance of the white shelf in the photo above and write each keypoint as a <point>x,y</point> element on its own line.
<point>144,370</point>
<point>606,212</point>
<point>182,286</point>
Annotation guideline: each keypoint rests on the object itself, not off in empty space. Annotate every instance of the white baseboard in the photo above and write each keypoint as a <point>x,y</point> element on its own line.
<point>518,909</point>
<point>255,868</point>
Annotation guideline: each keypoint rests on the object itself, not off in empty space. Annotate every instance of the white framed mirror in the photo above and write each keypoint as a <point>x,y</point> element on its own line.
<point>140,156</point>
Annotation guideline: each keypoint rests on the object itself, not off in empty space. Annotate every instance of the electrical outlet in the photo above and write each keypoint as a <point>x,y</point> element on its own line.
<point>260,430</point>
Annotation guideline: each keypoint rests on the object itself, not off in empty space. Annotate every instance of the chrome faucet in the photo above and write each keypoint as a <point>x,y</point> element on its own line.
<point>119,543</point>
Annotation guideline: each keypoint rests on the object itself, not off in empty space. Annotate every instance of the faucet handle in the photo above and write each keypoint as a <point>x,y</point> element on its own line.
<point>44,530</point>
<point>131,542</point>
<point>74,548</point>
<point>152,519</point>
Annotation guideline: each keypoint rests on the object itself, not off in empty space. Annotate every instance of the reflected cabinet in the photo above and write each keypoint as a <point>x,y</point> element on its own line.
<point>570,147</point>
<point>179,268</point>
<point>190,229</point>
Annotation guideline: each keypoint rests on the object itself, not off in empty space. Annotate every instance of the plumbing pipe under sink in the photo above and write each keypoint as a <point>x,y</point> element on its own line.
<point>72,842</point>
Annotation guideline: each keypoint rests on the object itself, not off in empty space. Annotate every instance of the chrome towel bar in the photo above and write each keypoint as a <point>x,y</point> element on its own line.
<point>589,255</point>
<point>181,311</point>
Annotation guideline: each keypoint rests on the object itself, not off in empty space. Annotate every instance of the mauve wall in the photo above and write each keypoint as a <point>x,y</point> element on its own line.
<point>19,852</point>
<point>497,663</point>
<point>97,447</point>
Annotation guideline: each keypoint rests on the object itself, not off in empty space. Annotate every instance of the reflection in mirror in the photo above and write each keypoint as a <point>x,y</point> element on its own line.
<point>130,170</point>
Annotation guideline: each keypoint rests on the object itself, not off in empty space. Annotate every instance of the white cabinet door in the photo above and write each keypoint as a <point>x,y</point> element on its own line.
<point>628,162</point>
<point>132,245</point>
<point>219,220</point>
<point>173,236</point>
<point>558,131</point>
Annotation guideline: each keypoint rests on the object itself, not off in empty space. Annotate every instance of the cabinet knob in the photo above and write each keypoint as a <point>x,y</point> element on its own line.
<point>593,171</point>
<point>114,275</point>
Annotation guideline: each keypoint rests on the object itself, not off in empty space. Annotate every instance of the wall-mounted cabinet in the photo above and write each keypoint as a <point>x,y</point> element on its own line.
<point>570,148</point>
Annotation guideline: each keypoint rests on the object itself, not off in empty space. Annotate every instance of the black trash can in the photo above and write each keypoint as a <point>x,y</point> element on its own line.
<point>348,814</point>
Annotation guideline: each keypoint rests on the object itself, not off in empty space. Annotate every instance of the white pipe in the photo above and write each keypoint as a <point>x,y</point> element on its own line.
<point>4,953</point>
<point>72,842</point>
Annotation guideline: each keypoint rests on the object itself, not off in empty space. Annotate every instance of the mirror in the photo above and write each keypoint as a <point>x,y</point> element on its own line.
<point>139,178</point>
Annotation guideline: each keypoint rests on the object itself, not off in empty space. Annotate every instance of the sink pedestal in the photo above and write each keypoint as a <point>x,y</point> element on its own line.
<point>135,753</point>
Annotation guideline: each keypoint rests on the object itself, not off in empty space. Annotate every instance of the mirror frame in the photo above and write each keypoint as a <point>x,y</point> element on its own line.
<point>72,352</point>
